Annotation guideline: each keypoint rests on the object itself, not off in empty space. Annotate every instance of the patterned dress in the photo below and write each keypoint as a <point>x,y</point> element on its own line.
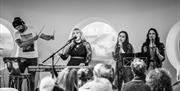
<point>79,52</point>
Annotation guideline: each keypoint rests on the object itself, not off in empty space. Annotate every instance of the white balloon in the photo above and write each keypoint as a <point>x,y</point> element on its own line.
<point>173,46</point>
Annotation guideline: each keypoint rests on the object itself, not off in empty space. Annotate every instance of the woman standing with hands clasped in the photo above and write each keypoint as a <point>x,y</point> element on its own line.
<point>122,46</point>
<point>154,50</point>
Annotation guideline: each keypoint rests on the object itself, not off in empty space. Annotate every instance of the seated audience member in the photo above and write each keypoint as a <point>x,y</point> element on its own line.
<point>84,75</point>
<point>99,83</point>
<point>159,79</point>
<point>48,84</point>
<point>138,83</point>
<point>104,71</point>
<point>67,79</point>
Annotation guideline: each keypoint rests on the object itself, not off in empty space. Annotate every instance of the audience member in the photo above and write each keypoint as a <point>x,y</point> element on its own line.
<point>67,79</point>
<point>99,83</point>
<point>138,83</point>
<point>84,75</point>
<point>159,79</point>
<point>47,84</point>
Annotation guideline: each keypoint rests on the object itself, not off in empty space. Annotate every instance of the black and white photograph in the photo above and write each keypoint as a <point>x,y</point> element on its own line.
<point>89,45</point>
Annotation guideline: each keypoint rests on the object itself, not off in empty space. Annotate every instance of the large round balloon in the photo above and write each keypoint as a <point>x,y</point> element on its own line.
<point>173,46</point>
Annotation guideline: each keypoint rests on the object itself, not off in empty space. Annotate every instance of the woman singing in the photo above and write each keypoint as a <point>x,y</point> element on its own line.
<point>78,49</point>
<point>122,46</point>
<point>154,49</point>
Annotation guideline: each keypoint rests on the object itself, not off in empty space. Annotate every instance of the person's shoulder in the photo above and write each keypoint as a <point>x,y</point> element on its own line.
<point>161,45</point>
<point>134,82</point>
<point>129,86</point>
<point>145,44</point>
<point>126,86</point>
<point>57,88</point>
<point>87,85</point>
<point>86,43</point>
<point>129,83</point>
<point>129,44</point>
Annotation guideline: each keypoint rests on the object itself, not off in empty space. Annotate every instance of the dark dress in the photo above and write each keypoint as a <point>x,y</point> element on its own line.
<point>79,52</point>
<point>153,60</point>
<point>124,74</point>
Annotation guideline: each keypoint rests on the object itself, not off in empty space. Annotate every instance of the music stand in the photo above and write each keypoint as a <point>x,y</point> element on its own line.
<point>127,58</point>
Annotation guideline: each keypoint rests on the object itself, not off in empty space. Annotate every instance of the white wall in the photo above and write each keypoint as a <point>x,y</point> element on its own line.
<point>133,16</point>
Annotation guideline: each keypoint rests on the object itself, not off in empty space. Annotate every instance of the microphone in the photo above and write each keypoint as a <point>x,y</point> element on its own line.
<point>72,39</point>
<point>153,45</point>
<point>153,42</point>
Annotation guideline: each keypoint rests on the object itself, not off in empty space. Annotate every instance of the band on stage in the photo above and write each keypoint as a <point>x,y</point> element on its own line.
<point>79,50</point>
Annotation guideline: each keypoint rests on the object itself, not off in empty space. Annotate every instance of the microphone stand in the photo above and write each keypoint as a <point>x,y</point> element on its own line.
<point>52,56</point>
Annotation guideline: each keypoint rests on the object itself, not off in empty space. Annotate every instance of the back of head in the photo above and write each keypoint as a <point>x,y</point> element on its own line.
<point>107,72</point>
<point>85,74</point>
<point>47,84</point>
<point>138,67</point>
<point>104,70</point>
<point>159,80</point>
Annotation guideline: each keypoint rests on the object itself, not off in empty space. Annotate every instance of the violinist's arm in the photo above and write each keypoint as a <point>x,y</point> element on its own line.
<point>46,37</point>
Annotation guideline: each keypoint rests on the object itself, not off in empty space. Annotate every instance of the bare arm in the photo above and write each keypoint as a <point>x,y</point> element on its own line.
<point>46,37</point>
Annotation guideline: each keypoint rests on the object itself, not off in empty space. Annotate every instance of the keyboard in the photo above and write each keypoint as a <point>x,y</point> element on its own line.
<point>46,68</point>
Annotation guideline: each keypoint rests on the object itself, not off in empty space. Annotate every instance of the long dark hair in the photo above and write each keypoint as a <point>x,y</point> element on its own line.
<point>125,43</point>
<point>156,38</point>
<point>71,81</point>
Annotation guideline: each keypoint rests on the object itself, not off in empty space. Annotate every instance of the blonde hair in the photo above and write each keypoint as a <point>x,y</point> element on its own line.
<point>105,71</point>
<point>82,35</point>
<point>47,84</point>
<point>61,79</point>
<point>138,67</point>
<point>67,79</point>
